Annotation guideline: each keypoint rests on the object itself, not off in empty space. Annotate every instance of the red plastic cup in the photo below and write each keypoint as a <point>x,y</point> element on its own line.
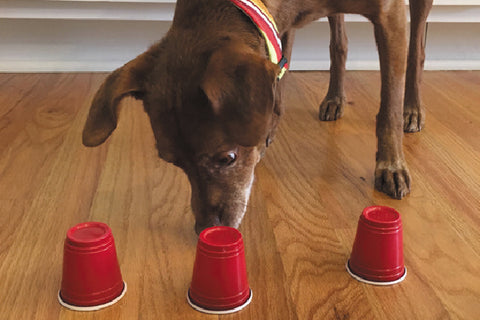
<point>91,275</point>
<point>377,254</point>
<point>219,282</point>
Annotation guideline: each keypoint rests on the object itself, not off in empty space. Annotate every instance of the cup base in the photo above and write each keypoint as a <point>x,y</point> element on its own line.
<point>210,311</point>
<point>92,308</point>
<point>376,283</point>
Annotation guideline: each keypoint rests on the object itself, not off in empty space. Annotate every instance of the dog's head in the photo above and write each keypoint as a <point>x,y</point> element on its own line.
<point>212,112</point>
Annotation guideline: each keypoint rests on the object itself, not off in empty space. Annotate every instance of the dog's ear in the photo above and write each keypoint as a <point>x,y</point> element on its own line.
<point>127,80</point>
<point>240,86</point>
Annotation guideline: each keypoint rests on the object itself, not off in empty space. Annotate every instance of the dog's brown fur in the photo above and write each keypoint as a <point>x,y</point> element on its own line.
<point>214,101</point>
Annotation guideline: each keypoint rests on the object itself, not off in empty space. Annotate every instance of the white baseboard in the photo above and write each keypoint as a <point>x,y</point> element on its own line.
<point>108,66</point>
<point>101,35</point>
<point>374,65</point>
<point>58,66</point>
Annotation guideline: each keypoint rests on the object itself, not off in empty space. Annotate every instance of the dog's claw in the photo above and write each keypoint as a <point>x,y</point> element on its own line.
<point>393,180</point>
<point>332,108</point>
<point>413,118</point>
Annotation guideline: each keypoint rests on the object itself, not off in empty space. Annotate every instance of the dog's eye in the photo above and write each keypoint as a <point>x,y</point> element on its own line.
<point>226,158</point>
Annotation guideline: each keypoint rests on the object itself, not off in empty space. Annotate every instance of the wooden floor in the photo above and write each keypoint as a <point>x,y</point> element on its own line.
<point>309,192</point>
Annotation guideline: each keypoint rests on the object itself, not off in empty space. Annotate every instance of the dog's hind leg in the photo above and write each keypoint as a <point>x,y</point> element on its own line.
<point>333,105</point>
<point>414,112</point>
<point>391,173</point>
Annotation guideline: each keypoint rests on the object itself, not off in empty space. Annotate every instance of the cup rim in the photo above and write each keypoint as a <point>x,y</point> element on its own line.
<point>377,283</point>
<point>206,241</point>
<point>92,308</point>
<point>369,217</point>
<point>218,312</point>
<point>77,240</point>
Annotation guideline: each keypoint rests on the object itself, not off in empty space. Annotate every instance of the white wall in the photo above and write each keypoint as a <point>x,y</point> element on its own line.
<point>91,35</point>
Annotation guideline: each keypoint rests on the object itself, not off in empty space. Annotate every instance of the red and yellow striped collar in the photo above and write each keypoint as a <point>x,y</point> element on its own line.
<point>258,13</point>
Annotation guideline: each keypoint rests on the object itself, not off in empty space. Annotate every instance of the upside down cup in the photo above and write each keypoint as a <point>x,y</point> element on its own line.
<point>91,277</point>
<point>377,253</point>
<point>219,281</point>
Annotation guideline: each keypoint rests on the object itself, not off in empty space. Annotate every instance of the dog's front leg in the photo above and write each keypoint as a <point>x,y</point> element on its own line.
<point>287,44</point>
<point>391,173</point>
<point>333,105</point>
<point>414,112</point>
<point>287,47</point>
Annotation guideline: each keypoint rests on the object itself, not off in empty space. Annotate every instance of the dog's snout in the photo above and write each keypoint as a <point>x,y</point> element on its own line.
<point>221,199</point>
<point>217,219</point>
<point>199,227</point>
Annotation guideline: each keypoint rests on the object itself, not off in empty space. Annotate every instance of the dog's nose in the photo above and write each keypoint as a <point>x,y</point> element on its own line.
<point>211,222</point>
<point>199,228</point>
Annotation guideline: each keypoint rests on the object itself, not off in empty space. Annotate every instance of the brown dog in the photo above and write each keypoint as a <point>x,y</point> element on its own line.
<point>214,99</point>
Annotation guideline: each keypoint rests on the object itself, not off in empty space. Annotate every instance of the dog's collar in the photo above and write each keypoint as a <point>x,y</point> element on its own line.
<point>258,13</point>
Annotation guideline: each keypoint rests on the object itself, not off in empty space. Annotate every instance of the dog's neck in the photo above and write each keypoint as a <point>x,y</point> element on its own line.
<point>261,17</point>
<point>290,14</point>
<point>196,24</point>
<point>287,14</point>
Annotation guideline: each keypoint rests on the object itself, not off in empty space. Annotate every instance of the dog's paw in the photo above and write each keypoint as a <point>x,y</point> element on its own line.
<point>332,108</point>
<point>392,179</point>
<point>413,117</point>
